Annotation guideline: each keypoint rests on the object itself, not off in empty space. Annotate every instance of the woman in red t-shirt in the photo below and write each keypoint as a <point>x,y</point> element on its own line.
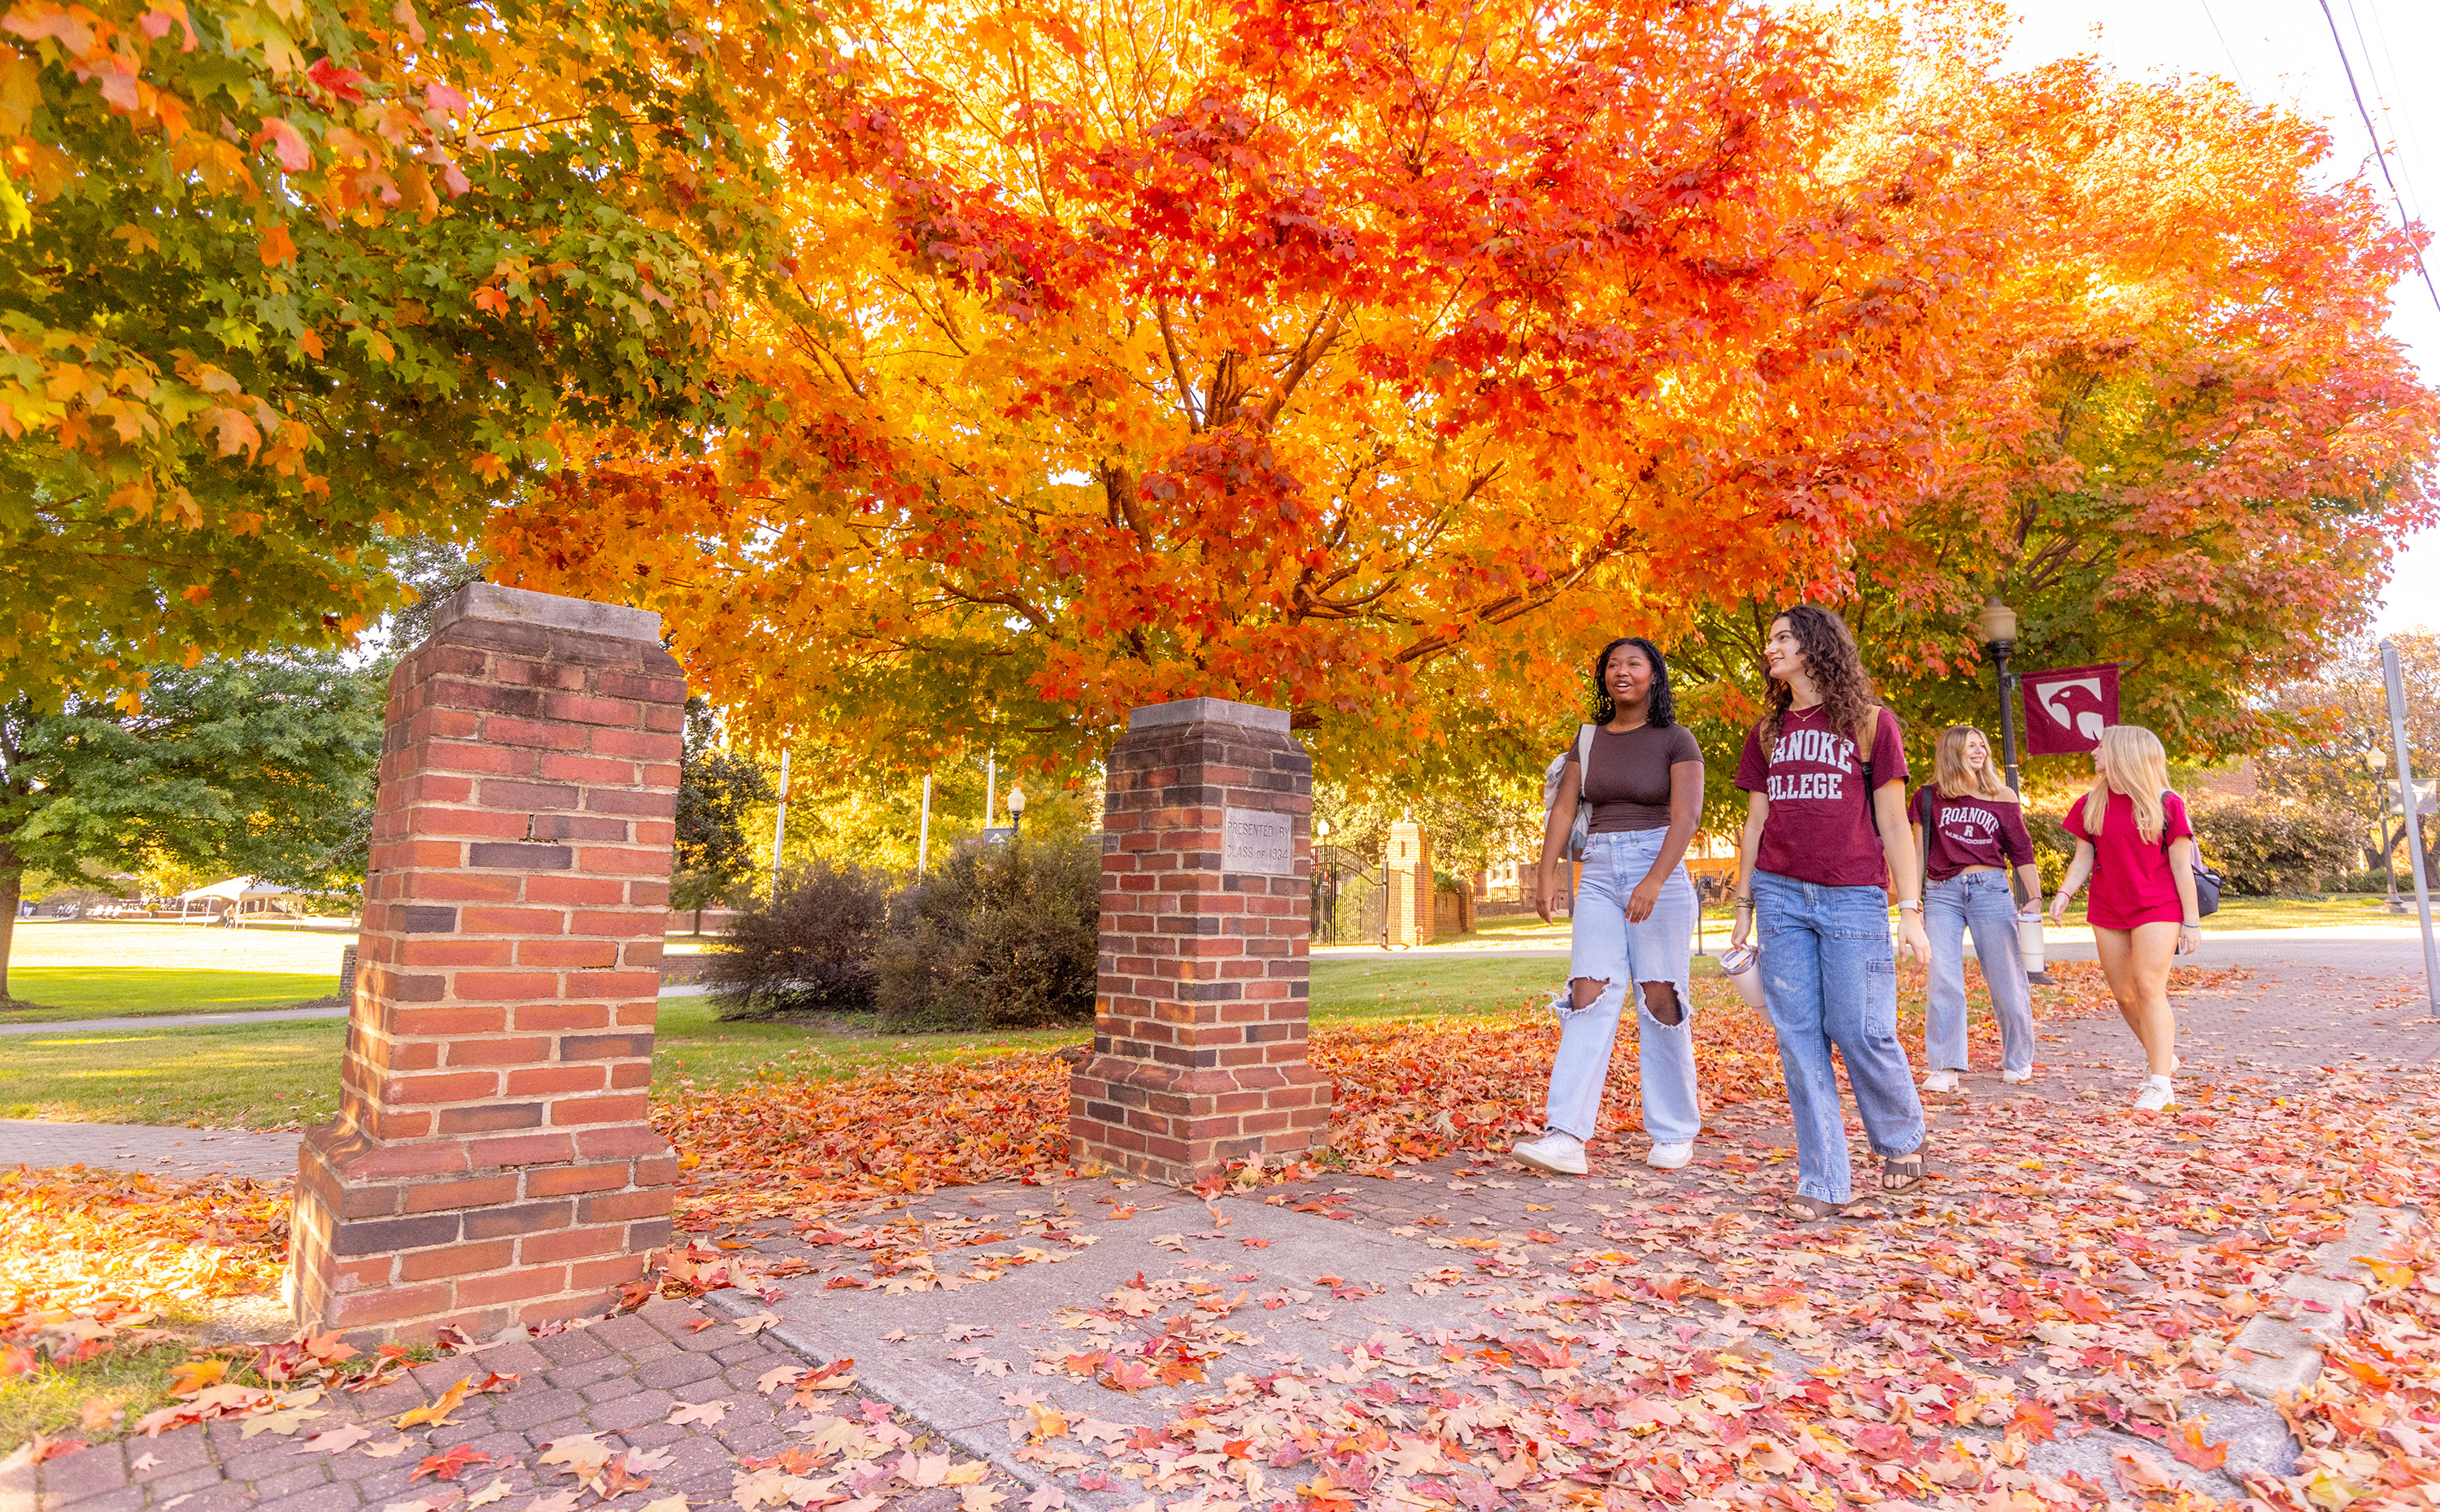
<point>2132,839</point>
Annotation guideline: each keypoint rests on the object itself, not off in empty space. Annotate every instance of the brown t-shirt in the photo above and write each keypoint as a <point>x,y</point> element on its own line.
<point>1628,786</point>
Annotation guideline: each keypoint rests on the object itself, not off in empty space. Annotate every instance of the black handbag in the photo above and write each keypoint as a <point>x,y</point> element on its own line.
<point>2207,882</point>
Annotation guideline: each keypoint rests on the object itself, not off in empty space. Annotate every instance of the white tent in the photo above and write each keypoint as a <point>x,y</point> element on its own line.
<point>242,895</point>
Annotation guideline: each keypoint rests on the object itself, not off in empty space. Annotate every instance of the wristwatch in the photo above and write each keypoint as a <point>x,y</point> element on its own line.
<point>1916,904</point>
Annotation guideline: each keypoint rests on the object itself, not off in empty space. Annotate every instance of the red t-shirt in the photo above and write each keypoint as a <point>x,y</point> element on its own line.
<point>1820,829</point>
<point>1969,830</point>
<point>2131,883</point>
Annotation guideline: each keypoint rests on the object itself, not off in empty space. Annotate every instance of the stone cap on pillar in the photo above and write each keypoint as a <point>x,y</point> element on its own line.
<point>551,611</point>
<point>1211,711</point>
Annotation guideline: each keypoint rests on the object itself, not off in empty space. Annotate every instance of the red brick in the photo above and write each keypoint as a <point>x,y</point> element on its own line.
<point>451,1086</point>
<point>521,1150</point>
<point>453,1020</point>
<point>369,1308</point>
<point>604,861</point>
<point>481,1190</point>
<point>512,1285</point>
<point>509,921</point>
<point>572,1244</point>
<point>570,1181</point>
<point>568,768</point>
<point>546,734</point>
<point>441,950</point>
<point>615,1108</point>
<point>550,1081</point>
<point>561,1016</point>
<point>617,1270</point>
<point>648,1204</point>
<point>497,985</point>
<point>456,1260</point>
<point>512,1052</point>
<point>566,887</point>
<point>566,953</point>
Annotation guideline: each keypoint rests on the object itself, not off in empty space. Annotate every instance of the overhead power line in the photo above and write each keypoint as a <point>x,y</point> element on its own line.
<point>2232,65</point>
<point>2379,155</point>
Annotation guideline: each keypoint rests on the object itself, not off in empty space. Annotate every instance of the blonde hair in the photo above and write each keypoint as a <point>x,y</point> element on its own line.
<point>2132,763</point>
<point>1949,770</point>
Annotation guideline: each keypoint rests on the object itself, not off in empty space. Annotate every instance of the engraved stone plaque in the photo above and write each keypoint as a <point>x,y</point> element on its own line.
<point>1253,840</point>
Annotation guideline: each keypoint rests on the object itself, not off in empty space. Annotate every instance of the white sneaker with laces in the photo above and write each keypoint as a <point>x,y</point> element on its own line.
<point>2014,1077</point>
<point>1669,1157</point>
<point>1939,1080</point>
<point>1559,1154</point>
<point>2155,1095</point>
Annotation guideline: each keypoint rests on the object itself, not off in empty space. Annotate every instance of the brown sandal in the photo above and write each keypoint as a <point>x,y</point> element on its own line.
<point>1902,1173</point>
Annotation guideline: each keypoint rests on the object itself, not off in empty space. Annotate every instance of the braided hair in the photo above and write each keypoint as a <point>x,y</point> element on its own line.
<point>1661,711</point>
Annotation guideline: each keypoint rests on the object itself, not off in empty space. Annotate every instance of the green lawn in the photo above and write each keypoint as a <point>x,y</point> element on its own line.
<point>2304,912</point>
<point>60,993</point>
<point>285,1074</point>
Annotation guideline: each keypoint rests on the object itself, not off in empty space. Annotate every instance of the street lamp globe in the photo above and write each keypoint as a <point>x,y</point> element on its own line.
<point>1997,622</point>
<point>1017,807</point>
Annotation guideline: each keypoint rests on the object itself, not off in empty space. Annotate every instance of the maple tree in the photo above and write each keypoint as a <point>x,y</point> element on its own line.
<point>281,284</point>
<point>2195,448</point>
<point>1354,359</point>
<point>253,764</point>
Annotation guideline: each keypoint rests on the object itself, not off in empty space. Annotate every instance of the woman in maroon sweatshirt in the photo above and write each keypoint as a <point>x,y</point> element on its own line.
<point>1970,829</point>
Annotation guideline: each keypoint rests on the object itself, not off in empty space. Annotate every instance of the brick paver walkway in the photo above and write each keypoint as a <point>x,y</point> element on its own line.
<point>934,1365</point>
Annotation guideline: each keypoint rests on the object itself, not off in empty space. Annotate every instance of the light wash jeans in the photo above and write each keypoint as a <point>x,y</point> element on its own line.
<point>1983,902</point>
<point>1830,979</point>
<point>1607,948</point>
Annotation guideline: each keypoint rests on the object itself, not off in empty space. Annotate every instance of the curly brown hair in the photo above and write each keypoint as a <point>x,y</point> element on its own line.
<point>1837,670</point>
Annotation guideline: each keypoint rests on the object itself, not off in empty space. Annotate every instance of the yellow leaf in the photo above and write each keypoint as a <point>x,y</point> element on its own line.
<point>436,1413</point>
<point>196,1375</point>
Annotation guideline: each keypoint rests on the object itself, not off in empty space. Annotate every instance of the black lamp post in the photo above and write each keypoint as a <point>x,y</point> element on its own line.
<point>1997,624</point>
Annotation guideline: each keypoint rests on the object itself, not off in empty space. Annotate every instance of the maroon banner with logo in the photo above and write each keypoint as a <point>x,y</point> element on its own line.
<point>2068,708</point>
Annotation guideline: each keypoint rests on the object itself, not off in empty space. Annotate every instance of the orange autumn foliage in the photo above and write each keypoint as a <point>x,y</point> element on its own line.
<point>1372,361</point>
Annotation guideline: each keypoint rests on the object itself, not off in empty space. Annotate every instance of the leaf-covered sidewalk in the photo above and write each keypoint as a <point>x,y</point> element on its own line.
<point>2046,1322</point>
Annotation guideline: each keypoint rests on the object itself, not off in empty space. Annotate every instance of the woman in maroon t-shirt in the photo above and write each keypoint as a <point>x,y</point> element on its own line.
<point>1972,830</point>
<point>1825,845</point>
<point>2132,839</point>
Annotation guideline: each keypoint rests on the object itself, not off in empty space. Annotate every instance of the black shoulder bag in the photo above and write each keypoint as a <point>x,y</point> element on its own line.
<point>2207,882</point>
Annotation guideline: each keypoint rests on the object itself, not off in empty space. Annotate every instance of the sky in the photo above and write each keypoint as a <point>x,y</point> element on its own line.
<point>2282,50</point>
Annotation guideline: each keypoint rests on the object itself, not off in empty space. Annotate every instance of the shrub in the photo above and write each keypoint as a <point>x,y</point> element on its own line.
<point>1001,937</point>
<point>808,949</point>
<point>2266,845</point>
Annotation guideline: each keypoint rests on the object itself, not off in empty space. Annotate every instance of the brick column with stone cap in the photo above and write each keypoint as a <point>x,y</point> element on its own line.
<point>1409,864</point>
<point>1200,1028</point>
<point>491,1164</point>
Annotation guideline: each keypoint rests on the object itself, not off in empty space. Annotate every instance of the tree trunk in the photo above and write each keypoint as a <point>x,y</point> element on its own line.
<point>13,881</point>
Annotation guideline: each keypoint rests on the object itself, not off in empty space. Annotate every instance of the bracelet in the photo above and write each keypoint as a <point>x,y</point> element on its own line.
<point>2189,923</point>
<point>1916,904</point>
<point>1743,903</point>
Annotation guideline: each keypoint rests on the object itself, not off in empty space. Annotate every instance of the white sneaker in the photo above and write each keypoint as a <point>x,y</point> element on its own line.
<point>2014,1078</point>
<point>1559,1154</point>
<point>1939,1080</point>
<point>2155,1095</point>
<point>1669,1157</point>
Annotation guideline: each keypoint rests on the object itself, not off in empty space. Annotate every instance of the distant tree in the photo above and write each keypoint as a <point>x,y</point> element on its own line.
<point>2336,753</point>
<point>716,788</point>
<point>260,765</point>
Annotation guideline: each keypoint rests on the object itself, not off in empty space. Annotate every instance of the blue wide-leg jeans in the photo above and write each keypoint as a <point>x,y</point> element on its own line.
<point>1830,980</point>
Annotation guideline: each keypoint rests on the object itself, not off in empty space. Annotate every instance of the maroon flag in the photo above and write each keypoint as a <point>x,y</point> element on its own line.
<point>2068,708</point>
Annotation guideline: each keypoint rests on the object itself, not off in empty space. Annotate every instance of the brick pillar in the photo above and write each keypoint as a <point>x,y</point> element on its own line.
<point>491,1164</point>
<point>1409,865</point>
<point>1199,1031</point>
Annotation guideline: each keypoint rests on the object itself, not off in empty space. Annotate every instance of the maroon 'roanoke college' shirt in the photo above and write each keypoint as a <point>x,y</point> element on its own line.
<point>1969,830</point>
<point>1820,829</point>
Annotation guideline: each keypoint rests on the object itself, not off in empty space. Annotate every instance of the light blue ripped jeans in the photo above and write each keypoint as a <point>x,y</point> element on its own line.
<point>1607,948</point>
